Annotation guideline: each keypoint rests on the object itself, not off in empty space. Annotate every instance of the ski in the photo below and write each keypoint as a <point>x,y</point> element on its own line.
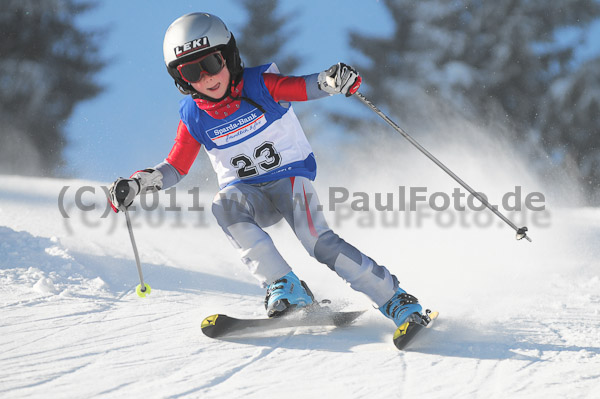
<point>411,328</point>
<point>219,325</point>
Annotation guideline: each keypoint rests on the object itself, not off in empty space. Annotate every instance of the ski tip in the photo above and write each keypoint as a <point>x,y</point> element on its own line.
<point>407,331</point>
<point>208,326</point>
<point>401,330</point>
<point>405,334</point>
<point>209,321</point>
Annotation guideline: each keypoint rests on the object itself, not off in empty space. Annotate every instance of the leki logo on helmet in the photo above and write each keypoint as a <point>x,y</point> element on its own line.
<point>191,46</point>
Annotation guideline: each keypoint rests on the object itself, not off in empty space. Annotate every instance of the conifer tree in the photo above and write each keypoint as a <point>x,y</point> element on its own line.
<point>263,37</point>
<point>491,61</point>
<point>47,65</point>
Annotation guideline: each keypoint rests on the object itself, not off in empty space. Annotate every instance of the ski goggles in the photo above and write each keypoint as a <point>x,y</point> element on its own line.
<point>210,64</point>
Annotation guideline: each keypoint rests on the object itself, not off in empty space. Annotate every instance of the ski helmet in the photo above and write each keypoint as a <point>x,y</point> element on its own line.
<point>194,35</point>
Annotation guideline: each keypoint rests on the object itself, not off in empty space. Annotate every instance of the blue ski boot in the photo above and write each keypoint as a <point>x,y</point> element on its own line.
<point>402,307</point>
<point>286,294</point>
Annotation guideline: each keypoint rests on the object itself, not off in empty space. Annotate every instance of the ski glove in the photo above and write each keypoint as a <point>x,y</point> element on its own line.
<point>123,191</point>
<point>340,78</point>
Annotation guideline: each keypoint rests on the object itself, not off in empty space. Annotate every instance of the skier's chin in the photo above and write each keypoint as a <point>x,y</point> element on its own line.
<point>214,96</point>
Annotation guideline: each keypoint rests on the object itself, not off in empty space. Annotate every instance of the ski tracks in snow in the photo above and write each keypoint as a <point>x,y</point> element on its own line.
<point>205,389</point>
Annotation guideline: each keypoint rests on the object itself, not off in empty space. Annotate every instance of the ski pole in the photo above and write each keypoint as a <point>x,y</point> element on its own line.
<point>521,231</point>
<point>142,289</point>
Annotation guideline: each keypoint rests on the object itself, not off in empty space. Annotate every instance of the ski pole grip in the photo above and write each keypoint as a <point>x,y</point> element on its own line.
<point>122,190</point>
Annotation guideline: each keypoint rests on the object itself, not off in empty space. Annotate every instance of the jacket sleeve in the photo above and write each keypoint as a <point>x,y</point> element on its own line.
<point>293,88</point>
<point>180,159</point>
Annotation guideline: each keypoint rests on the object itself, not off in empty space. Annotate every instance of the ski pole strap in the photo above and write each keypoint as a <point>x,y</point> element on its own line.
<point>521,231</point>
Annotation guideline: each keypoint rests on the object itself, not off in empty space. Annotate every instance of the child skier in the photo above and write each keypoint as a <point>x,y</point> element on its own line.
<point>263,161</point>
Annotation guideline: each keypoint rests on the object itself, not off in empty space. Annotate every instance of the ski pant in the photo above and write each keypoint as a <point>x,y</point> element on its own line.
<point>243,210</point>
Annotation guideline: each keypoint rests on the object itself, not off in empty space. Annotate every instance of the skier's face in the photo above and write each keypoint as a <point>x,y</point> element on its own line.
<point>214,86</point>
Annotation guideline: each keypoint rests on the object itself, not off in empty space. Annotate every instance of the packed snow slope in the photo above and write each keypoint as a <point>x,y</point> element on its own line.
<point>517,319</point>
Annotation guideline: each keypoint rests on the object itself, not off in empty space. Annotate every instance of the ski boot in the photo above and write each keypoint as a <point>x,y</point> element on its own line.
<point>286,294</point>
<point>402,308</point>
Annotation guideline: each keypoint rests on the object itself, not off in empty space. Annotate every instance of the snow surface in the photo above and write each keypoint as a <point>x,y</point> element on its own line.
<point>517,319</point>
